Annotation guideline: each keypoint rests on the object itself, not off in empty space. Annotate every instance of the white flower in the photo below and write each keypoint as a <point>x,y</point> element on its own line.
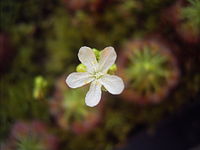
<point>96,74</point>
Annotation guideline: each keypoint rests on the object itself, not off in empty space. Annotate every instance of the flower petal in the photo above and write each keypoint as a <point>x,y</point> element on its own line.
<point>107,59</point>
<point>78,79</point>
<point>93,96</point>
<point>88,58</point>
<point>112,83</point>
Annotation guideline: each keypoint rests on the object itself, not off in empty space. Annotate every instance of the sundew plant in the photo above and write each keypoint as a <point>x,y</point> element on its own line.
<point>29,143</point>
<point>148,70</point>
<point>191,14</point>
<point>94,74</point>
<point>70,111</point>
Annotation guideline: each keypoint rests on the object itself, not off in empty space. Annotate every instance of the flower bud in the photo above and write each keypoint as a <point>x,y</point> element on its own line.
<point>112,69</point>
<point>97,53</point>
<point>81,68</point>
<point>40,87</point>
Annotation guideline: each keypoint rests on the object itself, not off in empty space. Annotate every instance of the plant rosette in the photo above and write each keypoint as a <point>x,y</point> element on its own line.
<point>31,136</point>
<point>68,108</point>
<point>182,15</point>
<point>149,69</point>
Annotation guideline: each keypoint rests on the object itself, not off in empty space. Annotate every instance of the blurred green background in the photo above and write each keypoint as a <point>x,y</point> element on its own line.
<point>158,49</point>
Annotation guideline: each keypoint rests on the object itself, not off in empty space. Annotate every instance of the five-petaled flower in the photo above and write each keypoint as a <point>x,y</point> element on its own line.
<point>96,73</point>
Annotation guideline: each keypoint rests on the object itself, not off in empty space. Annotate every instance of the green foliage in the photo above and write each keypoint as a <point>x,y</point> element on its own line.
<point>74,105</point>
<point>88,30</point>
<point>60,47</point>
<point>45,39</point>
<point>29,143</point>
<point>24,43</point>
<point>191,14</point>
<point>17,102</point>
<point>148,70</point>
<point>17,83</point>
<point>108,28</point>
